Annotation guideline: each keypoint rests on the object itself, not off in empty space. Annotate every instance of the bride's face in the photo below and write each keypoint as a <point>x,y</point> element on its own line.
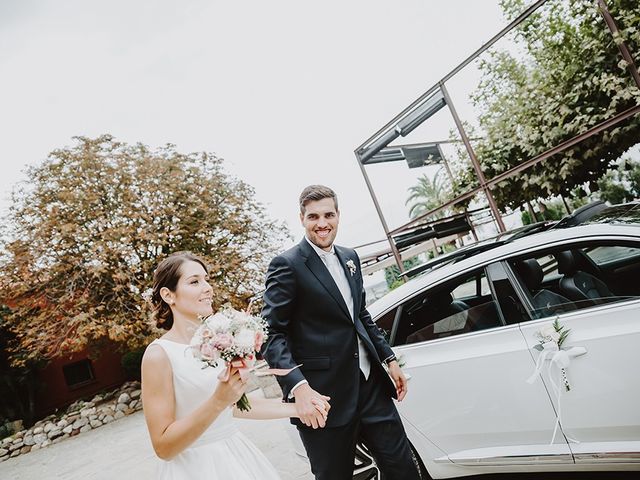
<point>193,294</point>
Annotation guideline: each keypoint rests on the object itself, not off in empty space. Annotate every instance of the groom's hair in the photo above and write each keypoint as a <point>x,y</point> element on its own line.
<point>313,193</point>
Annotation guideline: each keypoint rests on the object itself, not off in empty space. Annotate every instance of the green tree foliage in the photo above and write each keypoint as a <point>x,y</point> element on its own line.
<point>392,273</point>
<point>554,210</point>
<point>570,78</point>
<point>86,232</point>
<point>18,385</point>
<point>620,185</point>
<point>426,195</point>
<point>633,177</point>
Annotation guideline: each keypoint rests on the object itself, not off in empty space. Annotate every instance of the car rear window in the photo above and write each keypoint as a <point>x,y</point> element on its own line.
<point>604,255</point>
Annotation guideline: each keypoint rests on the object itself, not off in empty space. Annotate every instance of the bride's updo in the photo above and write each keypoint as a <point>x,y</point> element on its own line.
<point>167,275</point>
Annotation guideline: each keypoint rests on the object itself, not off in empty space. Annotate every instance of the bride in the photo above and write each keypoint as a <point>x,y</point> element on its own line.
<point>187,409</point>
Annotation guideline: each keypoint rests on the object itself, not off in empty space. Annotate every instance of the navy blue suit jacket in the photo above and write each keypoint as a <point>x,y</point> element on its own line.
<point>309,324</point>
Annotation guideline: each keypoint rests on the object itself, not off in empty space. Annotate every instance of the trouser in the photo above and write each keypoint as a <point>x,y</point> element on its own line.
<point>377,424</point>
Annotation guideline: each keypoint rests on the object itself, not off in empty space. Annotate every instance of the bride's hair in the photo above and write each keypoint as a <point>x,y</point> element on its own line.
<point>167,274</point>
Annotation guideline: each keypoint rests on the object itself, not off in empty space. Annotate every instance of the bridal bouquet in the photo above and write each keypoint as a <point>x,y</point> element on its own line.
<point>551,339</point>
<point>233,337</point>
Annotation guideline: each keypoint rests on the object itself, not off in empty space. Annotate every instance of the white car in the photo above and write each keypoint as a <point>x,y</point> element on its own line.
<point>467,331</point>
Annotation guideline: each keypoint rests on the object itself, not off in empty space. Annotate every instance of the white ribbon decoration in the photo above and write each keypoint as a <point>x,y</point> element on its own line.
<point>560,359</point>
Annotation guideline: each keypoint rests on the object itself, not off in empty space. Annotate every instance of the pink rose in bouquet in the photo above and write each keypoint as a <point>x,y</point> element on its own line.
<point>234,337</point>
<point>258,340</point>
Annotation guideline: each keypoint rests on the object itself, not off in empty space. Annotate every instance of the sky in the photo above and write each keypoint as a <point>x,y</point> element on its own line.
<point>283,90</point>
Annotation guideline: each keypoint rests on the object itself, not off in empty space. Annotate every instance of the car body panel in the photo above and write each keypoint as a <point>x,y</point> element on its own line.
<point>483,410</point>
<point>602,405</point>
<point>470,410</point>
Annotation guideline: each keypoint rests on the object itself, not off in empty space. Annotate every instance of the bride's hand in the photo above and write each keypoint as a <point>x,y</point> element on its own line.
<point>322,405</point>
<point>229,391</point>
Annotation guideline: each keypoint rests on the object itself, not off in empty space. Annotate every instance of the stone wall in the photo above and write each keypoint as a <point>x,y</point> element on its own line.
<point>83,416</point>
<point>79,417</point>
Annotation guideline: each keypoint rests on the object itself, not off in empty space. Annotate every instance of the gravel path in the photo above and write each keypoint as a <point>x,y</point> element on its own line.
<point>121,450</point>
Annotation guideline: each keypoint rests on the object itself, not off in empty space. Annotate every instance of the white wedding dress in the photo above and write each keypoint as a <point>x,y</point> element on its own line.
<point>222,452</point>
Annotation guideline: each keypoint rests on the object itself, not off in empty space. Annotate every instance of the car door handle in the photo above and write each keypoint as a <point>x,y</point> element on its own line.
<point>576,352</point>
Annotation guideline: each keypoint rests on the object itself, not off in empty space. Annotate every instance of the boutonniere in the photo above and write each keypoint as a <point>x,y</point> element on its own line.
<point>351,266</point>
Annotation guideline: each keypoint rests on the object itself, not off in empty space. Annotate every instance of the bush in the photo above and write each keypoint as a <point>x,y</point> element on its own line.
<point>131,363</point>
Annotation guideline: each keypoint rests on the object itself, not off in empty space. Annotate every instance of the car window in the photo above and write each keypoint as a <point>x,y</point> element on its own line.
<point>549,266</point>
<point>511,307</point>
<point>470,287</point>
<point>607,254</point>
<point>385,323</point>
<point>460,306</point>
<point>578,277</point>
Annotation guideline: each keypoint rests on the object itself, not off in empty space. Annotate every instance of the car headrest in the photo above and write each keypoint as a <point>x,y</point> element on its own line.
<point>531,273</point>
<point>442,300</point>
<point>566,262</point>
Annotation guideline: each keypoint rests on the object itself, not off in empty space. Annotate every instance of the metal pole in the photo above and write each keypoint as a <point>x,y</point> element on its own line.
<point>446,166</point>
<point>566,205</point>
<point>394,249</point>
<point>624,50</point>
<point>474,161</point>
<point>517,21</point>
<point>470,222</point>
<point>561,147</point>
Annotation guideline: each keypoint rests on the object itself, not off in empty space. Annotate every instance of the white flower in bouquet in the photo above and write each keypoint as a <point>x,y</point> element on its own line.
<point>551,338</point>
<point>549,334</point>
<point>234,337</point>
<point>219,322</point>
<point>245,339</point>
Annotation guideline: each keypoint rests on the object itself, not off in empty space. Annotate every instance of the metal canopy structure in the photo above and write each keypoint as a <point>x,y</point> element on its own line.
<point>376,149</point>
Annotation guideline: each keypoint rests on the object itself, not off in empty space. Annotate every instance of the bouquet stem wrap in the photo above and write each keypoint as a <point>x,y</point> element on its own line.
<point>233,337</point>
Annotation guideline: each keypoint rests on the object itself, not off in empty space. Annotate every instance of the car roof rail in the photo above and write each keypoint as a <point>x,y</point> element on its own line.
<point>479,247</point>
<point>582,214</point>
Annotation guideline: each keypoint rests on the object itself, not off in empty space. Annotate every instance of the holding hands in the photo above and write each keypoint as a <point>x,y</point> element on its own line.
<point>312,407</point>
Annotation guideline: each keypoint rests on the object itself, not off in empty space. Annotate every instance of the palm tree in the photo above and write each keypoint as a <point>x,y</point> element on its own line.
<point>427,195</point>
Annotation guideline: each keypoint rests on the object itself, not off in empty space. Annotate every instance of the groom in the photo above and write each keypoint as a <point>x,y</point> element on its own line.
<point>315,305</point>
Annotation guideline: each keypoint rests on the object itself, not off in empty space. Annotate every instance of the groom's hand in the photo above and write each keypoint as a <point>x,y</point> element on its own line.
<point>307,400</point>
<point>399,379</point>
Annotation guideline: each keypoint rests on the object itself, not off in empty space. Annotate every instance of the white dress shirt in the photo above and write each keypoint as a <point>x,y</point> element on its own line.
<point>332,262</point>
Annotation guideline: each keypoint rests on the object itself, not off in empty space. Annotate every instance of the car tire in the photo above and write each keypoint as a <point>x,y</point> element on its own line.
<point>365,467</point>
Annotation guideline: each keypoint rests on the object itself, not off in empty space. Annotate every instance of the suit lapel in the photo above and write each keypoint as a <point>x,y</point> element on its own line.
<point>319,270</point>
<point>355,294</point>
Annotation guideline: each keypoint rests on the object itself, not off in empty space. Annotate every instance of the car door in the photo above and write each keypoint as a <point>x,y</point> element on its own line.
<point>599,414</point>
<point>467,393</point>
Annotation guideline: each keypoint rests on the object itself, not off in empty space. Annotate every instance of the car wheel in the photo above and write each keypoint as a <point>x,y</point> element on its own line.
<point>365,467</point>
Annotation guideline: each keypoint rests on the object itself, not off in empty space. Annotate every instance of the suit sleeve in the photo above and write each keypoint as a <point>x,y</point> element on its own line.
<point>381,345</point>
<point>279,301</point>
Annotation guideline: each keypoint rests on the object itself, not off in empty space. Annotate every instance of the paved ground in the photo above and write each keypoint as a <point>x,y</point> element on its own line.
<point>121,450</point>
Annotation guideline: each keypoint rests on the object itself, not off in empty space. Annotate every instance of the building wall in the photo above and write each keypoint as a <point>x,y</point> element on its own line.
<point>56,392</point>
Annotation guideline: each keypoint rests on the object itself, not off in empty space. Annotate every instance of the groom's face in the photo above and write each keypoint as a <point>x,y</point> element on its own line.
<point>320,220</point>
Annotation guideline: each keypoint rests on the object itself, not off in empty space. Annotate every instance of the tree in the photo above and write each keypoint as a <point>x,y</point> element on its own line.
<point>611,188</point>
<point>553,210</point>
<point>392,274</point>
<point>18,386</point>
<point>620,184</point>
<point>572,77</point>
<point>633,177</point>
<point>426,195</point>
<point>85,233</point>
